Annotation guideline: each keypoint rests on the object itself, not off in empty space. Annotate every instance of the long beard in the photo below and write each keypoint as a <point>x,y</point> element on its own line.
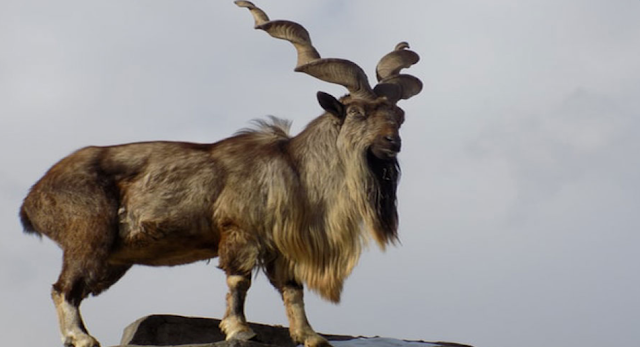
<point>382,196</point>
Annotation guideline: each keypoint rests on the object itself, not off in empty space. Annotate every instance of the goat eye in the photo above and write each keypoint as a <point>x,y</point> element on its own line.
<point>356,112</point>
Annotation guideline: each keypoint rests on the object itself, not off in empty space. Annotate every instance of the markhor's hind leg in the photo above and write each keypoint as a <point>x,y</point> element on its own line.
<point>72,327</point>
<point>77,280</point>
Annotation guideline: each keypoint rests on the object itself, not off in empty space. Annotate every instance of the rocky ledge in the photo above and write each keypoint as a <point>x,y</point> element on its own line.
<point>168,330</point>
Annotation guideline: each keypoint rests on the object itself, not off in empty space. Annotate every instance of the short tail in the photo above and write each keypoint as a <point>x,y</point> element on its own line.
<point>26,223</point>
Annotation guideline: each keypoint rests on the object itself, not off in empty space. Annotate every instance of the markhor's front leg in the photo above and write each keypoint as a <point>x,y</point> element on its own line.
<point>234,324</point>
<point>238,254</point>
<point>299,328</point>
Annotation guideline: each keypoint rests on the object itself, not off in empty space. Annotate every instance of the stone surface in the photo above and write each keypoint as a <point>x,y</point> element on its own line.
<point>169,330</point>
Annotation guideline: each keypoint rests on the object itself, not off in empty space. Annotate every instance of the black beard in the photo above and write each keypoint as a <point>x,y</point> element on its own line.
<point>382,194</point>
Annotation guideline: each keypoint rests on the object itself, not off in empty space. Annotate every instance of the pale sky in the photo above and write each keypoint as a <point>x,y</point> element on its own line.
<point>519,200</point>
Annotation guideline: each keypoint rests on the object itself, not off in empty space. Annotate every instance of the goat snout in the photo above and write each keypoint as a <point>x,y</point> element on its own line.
<point>394,140</point>
<point>387,146</point>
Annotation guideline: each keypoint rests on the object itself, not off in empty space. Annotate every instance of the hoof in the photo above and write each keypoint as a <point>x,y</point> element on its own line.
<point>80,341</point>
<point>309,338</point>
<point>242,335</point>
<point>236,329</point>
<point>316,341</point>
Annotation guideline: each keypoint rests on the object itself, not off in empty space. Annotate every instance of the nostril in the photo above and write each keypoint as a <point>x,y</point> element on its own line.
<point>393,139</point>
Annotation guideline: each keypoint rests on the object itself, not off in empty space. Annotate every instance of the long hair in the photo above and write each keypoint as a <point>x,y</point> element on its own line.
<point>335,202</point>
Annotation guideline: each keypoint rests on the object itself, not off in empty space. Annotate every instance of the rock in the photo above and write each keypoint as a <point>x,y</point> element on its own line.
<point>169,330</point>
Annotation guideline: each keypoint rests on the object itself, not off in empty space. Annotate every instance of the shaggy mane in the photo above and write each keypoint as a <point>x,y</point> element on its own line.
<point>273,126</point>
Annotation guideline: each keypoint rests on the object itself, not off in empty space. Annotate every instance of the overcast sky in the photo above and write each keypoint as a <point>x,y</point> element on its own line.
<point>519,199</point>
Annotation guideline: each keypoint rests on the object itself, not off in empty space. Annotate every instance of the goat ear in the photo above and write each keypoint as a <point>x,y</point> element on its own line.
<point>331,105</point>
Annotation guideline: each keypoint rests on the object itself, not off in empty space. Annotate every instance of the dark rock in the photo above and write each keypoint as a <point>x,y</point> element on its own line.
<point>169,330</point>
